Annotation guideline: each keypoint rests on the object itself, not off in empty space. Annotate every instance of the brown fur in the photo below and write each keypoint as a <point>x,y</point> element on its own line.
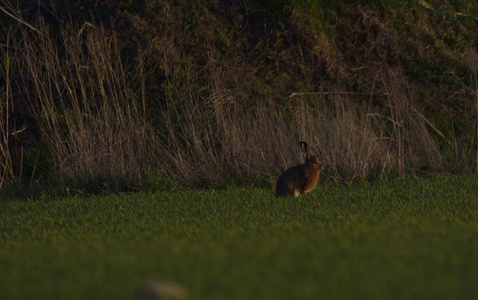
<point>301,179</point>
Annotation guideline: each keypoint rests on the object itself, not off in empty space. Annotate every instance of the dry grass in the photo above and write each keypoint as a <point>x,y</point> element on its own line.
<point>213,121</point>
<point>7,128</point>
<point>77,90</point>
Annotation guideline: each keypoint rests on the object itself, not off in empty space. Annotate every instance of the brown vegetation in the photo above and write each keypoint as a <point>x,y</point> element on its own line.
<point>218,93</point>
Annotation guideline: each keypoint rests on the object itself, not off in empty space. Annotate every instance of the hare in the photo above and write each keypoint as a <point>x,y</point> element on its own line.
<point>301,179</point>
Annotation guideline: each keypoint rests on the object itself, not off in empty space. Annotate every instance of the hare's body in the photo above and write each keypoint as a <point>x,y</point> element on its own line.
<point>301,179</point>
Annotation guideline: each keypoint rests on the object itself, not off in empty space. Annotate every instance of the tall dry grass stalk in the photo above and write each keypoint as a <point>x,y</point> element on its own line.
<point>80,94</point>
<point>474,81</point>
<point>7,125</point>
<point>471,62</point>
<point>414,144</point>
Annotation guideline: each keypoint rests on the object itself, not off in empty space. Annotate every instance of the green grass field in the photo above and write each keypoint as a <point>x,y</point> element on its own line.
<point>413,238</point>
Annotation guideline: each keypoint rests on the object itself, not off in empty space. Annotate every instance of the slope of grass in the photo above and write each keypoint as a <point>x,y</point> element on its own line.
<point>103,95</point>
<point>404,239</point>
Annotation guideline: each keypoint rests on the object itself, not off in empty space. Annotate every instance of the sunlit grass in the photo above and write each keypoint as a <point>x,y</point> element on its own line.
<point>404,239</point>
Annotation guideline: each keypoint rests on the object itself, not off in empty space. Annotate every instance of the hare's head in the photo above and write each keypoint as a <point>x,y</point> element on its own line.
<point>315,162</point>
<point>311,160</point>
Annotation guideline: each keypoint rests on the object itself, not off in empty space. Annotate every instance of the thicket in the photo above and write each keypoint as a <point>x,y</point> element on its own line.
<point>110,96</point>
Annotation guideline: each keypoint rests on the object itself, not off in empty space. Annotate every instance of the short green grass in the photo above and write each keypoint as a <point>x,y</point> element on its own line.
<point>414,238</point>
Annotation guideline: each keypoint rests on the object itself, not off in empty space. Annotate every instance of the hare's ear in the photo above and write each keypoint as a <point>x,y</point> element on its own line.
<point>304,147</point>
